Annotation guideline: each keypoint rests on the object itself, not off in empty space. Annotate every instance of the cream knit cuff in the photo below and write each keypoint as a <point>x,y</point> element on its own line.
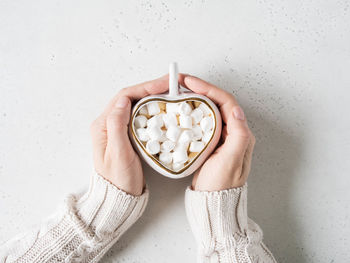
<point>215,217</point>
<point>107,210</point>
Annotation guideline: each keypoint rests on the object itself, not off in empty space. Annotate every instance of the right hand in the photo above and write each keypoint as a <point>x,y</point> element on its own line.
<point>229,165</point>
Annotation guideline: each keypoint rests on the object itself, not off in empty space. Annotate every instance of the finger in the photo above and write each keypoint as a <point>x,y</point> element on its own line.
<point>247,160</point>
<point>117,126</point>
<point>99,139</point>
<point>224,133</point>
<point>195,178</point>
<point>223,99</point>
<point>139,91</point>
<point>238,135</point>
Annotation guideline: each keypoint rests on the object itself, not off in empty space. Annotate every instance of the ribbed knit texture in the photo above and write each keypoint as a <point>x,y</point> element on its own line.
<point>223,231</point>
<point>89,225</point>
<point>83,230</point>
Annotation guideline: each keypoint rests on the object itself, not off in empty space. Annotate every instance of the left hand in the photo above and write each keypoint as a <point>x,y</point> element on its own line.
<point>114,156</point>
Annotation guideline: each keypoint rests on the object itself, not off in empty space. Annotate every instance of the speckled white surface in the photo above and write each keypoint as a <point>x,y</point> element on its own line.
<point>287,62</point>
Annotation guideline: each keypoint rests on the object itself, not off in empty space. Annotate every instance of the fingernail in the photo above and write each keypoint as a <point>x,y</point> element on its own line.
<point>238,113</point>
<point>188,78</point>
<point>122,102</point>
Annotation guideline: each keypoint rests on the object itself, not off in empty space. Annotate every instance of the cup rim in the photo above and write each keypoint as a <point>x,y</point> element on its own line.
<point>140,144</point>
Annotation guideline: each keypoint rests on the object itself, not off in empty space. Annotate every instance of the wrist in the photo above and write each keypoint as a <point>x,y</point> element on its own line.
<point>217,214</point>
<point>206,184</point>
<point>106,208</point>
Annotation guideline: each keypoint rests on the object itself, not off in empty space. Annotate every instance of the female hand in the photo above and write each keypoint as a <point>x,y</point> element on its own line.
<point>229,165</point>
<point>114,157</point>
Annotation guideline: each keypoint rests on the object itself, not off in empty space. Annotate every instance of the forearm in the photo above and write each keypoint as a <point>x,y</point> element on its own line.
<point>223,231</point>
<point>83,230</point>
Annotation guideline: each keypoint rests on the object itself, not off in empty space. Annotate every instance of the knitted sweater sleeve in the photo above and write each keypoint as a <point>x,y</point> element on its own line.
<point>222,229</point>
<point>81,231</point>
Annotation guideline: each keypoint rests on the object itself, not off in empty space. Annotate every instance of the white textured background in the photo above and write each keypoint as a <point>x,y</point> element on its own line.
<point>286,61</point>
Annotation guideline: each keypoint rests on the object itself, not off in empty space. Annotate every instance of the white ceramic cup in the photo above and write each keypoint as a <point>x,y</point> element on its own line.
<point>176,94</point>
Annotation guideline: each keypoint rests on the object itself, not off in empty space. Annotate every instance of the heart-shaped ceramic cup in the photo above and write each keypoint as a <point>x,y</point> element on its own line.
<point>197,150</point>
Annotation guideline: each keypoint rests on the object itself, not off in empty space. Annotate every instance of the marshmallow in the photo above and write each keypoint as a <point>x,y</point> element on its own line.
<point>153,108</point>
<point>196,146</point>
<point>166,158</point>
<point>155,121</point>
<point>140,121</point>
<point>206,137</point>
<point>167,146</point>
<point>197,115</point>
<point>207,124</point>
<point>172,107</point>
<point>142,134</point>
<point>169,119</point>
<point>197,132</point>
<point>163,138</point>
<point>185,121</point>
<point>186,136</point>
<point>184,108</point>
<point>181,146</point>
<point>152,147</point>
<point>205,109</point>
<point>143,110</point>
<point>155,133</point>
<point>178,166</point>
<point>180,156</point>
<point>173,133</point>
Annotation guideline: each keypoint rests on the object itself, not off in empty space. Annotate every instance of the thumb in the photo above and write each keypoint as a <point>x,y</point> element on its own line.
<point>117,125</point>
<point>238,135</point>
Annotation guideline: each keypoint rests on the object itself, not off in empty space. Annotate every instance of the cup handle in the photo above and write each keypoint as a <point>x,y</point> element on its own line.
<point>173,80</point>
